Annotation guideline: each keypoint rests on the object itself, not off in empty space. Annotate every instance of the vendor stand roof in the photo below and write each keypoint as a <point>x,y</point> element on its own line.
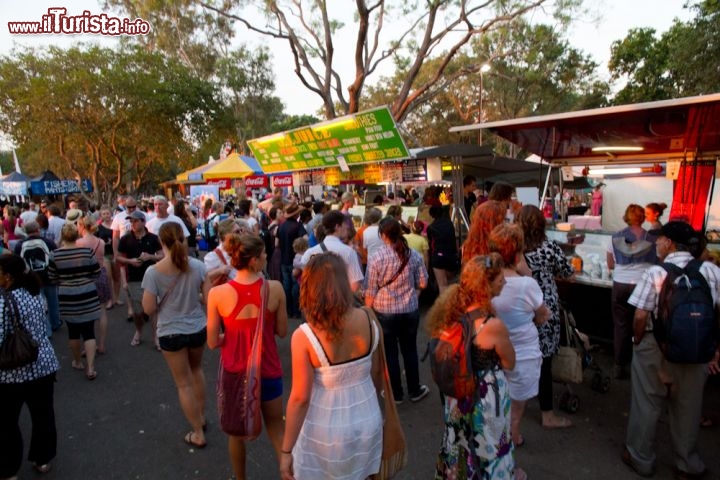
<point>684,128</point>
<point>231,167</point>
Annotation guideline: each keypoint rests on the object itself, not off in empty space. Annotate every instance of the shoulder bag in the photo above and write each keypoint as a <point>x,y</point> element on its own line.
<point>19,347</point>
<point>222,279</point>
<point>169,291</point>
<point>238,394</point>
<point>394,452</point>
<point>567,363</point>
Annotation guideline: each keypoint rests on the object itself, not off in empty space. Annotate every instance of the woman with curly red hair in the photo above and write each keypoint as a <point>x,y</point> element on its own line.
<point>486,217</point>
<point>477,440</point>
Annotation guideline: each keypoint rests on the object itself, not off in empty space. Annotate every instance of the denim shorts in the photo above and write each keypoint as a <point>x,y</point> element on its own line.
<point>178,341</point>
<point>270,389</point>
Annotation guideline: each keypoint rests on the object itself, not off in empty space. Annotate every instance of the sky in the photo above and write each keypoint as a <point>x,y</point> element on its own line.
<point>614,19</point>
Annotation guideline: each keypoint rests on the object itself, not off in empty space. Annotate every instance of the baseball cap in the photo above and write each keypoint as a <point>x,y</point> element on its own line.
<point>137,215</point>
<point>679,232</point>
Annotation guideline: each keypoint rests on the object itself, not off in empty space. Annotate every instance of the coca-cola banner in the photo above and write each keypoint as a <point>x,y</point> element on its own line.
<point>256,181</point>
<point>222,183</point>
<point>280,181</point>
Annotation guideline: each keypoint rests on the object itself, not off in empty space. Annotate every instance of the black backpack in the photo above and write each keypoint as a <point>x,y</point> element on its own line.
<point>686,327</point>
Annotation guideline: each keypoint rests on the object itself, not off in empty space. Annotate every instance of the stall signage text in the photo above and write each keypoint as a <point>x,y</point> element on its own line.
<point>282,181</point>
<point>364,137</point>
<point>415,170</point>
<point>59,187</point>
<point>222,183</point>
<point>256,181</point>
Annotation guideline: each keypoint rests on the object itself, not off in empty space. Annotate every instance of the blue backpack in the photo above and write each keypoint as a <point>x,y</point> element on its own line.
<point>686,327</point>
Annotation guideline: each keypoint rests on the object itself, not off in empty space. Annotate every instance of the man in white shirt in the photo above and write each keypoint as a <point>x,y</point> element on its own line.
<point>335,228</point>
<point>29,213</point>
<point>371,240</point>
<point>162,216</point>
<point>55,223</point>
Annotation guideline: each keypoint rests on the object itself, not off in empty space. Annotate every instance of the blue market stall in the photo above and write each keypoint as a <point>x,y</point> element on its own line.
<point>50,184</point>
<point>14,184</point>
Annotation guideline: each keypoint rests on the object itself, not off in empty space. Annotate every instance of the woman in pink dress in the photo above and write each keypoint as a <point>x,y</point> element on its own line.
<point>597,200</point>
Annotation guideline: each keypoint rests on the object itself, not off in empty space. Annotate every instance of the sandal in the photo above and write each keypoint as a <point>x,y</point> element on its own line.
<point>91,375</point>
<point>135,340</point>
<point>44,468</point>
<point>520,442</point>
<point>189,440</point>
<point>78,366</point>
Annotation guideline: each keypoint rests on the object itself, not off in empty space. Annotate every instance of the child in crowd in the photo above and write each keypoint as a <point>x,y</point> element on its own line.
<point>299,246</point>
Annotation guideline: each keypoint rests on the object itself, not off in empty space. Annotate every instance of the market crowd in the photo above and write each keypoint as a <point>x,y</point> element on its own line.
<point>229,274</point>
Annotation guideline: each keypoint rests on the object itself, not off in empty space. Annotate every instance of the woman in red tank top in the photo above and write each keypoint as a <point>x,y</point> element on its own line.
<point>233,310</point>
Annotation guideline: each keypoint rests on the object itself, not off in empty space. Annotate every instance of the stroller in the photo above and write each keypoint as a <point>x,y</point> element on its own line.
<point>573,359</point>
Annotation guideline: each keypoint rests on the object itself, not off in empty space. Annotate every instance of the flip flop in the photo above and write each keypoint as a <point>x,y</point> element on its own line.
<point>91,375</point>
<point>188,439</point>
<point>559,422</point>
<point>78,366</point>
<point>135,340</point>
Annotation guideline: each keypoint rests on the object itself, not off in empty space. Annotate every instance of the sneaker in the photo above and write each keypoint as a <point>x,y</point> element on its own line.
<point>424,391</point>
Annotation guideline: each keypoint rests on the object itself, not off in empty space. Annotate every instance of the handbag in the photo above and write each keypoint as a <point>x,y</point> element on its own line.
<point>238,393</point>
<point>567,363</point>
<point>394,453</point>
<point>19,347</point>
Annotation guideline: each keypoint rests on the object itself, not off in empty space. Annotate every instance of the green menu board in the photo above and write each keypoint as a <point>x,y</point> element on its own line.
<point>363,137</point>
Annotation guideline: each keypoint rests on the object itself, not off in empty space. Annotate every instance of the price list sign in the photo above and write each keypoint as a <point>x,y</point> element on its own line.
<point>364,137</point>
<point>415,170</point>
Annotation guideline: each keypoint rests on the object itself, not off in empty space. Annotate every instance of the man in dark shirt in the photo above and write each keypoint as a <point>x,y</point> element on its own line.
<point>287,232</point>
<point>469,186</point>
<point>137,250</point>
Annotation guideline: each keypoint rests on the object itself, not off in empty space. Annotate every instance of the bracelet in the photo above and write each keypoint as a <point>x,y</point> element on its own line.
<point>286,452</point>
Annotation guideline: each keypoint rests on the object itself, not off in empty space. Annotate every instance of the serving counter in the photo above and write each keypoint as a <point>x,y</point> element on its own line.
<point>588,294</point>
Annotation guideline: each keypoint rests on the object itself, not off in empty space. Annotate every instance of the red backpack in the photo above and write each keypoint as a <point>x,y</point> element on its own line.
<point>450,357</point>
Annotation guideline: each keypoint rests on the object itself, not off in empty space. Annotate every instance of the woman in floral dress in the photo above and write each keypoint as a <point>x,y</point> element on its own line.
<point>477,442</point>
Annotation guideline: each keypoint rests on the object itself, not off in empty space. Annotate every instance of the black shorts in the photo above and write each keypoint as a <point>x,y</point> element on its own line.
<point>86,330</point>
<point>178,341</point>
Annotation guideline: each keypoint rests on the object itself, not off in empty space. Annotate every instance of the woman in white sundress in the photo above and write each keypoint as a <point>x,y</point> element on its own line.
<point>333,427</point>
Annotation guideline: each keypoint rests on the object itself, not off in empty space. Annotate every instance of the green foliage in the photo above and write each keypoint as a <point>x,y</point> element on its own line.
<point>126,118</point>
<point>681,62</point>
<point>193,35</point>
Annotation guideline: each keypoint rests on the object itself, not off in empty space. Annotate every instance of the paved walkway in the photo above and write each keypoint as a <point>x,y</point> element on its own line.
<point>127,424</point>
